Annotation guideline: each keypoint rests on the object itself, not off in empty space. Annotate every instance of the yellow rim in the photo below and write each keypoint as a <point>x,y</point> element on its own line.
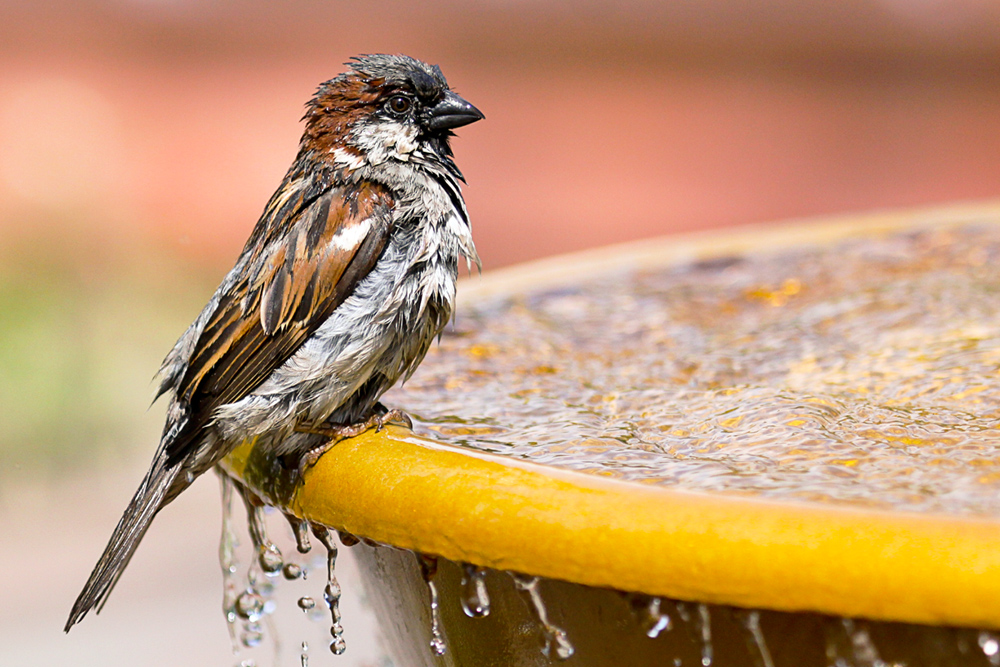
<point>410,492</point>
<point>403,490</point>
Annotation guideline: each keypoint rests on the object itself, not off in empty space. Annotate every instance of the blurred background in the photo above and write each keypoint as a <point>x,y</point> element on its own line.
<point>140,139</point>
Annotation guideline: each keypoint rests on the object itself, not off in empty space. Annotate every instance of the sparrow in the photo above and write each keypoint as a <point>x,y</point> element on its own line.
<point>345,281</point>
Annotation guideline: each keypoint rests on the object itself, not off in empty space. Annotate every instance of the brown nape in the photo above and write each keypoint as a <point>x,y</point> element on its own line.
<point>336,106</point>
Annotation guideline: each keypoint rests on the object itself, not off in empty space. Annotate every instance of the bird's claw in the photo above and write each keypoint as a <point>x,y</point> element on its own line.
<point>393,416</point>
<point>338,432</point>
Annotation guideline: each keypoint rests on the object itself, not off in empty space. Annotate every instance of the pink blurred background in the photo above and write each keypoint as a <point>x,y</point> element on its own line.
<point>174,120</point>
<point>140,139</point>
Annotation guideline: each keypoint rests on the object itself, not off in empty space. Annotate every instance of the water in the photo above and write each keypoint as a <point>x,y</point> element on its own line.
<point>332,592</point>
<point>704,624</point>
<point>428,568</point>
<point>249,605</point>
<point>990,646</point>
<point>863,373</point>
<point>268,555</point>
<point>300,529</point>
<point>750,620</point>
<point>228,563</point>
<point>555,637</point>
<point>475,599</point>
<point>656,620</point>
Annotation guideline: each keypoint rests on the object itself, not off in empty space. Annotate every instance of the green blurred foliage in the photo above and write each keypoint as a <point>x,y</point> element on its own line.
<point>82,332</point>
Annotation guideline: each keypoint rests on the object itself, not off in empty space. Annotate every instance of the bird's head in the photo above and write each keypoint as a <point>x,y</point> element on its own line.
<point>385,108</point>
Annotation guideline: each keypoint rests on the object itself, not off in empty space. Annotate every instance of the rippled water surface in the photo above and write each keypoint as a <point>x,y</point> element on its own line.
<point>864,372</point>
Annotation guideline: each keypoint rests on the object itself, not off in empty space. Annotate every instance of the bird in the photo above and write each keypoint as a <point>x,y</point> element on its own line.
<point>345,281</point>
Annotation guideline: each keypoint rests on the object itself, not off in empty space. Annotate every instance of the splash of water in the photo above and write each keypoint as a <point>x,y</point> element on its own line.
<point>555,637</point>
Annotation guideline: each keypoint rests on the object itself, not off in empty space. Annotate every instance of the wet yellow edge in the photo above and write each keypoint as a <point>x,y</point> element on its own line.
<point>414,493</point>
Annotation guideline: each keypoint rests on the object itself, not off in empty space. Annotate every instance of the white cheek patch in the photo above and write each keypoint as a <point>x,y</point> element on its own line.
<point>349,238</point>
<point>386,140</point>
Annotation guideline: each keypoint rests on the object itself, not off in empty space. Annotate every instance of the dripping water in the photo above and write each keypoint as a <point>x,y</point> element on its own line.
<point>475,598</point>
<point>554,636</point>
<point>750,620</point>
<point>705,626</point>
<point>332,591</point>
<point>300,529</point>
<point>428,568</point>
<point>862,646</point>
<point>656,620</point>
<point>304,655</point>
<point>268,555</point>
<point>227,561</point>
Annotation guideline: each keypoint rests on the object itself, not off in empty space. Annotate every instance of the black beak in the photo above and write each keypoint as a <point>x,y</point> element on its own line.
<point>451,112</point>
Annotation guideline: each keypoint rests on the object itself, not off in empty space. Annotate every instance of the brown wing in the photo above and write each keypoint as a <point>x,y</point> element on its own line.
<point>291,287</point>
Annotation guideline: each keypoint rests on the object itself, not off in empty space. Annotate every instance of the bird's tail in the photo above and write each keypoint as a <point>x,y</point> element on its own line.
<point>149,498</point>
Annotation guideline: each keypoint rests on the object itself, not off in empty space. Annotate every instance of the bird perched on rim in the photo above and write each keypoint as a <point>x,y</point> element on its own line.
<point>345,281</point>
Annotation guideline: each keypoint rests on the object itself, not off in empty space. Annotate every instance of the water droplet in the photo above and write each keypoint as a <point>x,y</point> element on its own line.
<point>475,598</point>
<point>656,620</point>
<point>252,635</point>
<point>270,560</point>
<point>306,603</point>
<point>555,637</point>
<point>332,591</point>
<point>347,539</point>
<point>750,620</point>
<point>990,646</point>
<point>338,646</point>
<point>249,606</point>
<point>248,663</point>
<point>291,571</point>
<point>428,568</point>
<point>678,662</point>
<point>705,625</point>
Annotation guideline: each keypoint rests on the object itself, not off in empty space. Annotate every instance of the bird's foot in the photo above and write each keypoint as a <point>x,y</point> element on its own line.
<point>395,416</point>
<point>338,432</point>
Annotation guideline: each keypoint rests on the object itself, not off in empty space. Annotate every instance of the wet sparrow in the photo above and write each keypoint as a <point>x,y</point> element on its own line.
<point>346,279</point>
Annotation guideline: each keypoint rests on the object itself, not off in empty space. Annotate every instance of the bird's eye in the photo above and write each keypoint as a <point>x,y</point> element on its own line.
<point>399,104</point>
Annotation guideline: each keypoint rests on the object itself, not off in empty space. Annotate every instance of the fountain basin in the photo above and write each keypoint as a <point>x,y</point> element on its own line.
<point>919,561</point>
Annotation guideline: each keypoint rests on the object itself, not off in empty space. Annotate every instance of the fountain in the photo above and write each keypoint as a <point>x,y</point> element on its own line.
<point>772,447</point>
